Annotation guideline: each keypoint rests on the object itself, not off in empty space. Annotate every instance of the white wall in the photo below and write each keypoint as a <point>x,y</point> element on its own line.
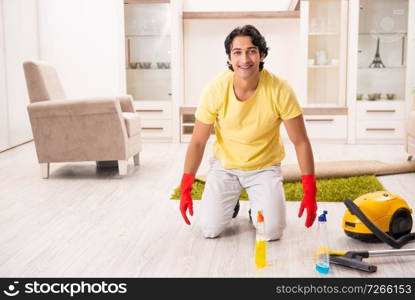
<point>235,5</point>
<point>205,57</point>
<point>84,40</point>
<point>19,43</point>
<point>4,126</point>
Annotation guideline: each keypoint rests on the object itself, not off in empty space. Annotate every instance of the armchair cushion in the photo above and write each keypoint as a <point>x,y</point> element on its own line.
<point>132,123</point>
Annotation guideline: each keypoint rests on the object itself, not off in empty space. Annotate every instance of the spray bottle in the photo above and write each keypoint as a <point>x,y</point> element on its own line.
<point>260,242</point>
<point>323,255</point>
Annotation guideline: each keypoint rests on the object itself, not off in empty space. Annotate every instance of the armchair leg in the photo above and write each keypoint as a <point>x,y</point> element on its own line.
<point>122,167</point>
<point>136,159</point>
<point>44,169</point>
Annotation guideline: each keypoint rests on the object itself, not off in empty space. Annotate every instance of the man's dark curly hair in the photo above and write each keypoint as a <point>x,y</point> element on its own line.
<point>256,37</point>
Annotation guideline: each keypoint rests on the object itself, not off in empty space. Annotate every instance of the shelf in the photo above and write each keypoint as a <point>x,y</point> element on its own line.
<point>380,101</point>
<point>190,109</point>
<point>382,33</point>
<point>307,110</point>
<point>321,110</point>
<point>147,70</point>
<point>392,67</point>
<point>241,14</point>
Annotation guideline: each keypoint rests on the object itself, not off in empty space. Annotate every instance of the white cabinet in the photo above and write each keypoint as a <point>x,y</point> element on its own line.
<point>324,124</point>
<point>326,127</point>
<point>324,31</point>
<point>323,128</point>
<point>383,110</point>
<point>19,40</point>
<point>324,52</point>
<point>381,69</point>
<point>382,122</point>
<point>187,120</point>
<point>324,25</point>
<point>148,62</point>
<point>156,121</point>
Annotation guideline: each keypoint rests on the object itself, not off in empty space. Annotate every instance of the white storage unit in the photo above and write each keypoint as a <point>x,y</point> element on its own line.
<point>324,124</point>
<point>148,65</point>
<point>326,127</point>
<point>308,81</point>
<point>324,26</point>
<point>381,69</point>
<point>382,122</point>
<point>156,121</point>
<point>322,64</point>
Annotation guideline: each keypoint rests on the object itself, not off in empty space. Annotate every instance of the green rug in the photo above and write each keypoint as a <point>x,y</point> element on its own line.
<point>329,190</point>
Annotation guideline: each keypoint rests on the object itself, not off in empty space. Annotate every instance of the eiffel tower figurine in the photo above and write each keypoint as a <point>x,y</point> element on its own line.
<point>377,61</point>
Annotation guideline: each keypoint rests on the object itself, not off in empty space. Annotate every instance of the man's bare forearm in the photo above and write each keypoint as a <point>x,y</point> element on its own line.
<point>305,157</point>
<point>194,157</point>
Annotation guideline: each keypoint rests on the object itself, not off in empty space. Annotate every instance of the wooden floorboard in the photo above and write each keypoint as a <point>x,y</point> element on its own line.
<point>84,222</point>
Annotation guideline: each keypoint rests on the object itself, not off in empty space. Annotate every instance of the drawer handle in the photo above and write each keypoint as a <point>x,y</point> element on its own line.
<point>380,111</point>
<point>319,120</point>
<point>149,110</point>
<point>380,129</point>
<point>152,128</point>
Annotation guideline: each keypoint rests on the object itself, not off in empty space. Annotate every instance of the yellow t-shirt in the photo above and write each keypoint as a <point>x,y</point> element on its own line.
<point>248,132</point>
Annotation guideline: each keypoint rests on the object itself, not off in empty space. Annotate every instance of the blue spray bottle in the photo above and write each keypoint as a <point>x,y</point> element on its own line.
<point>323,254</point>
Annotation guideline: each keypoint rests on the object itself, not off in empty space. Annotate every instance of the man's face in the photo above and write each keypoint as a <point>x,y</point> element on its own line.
<point>244,57</point>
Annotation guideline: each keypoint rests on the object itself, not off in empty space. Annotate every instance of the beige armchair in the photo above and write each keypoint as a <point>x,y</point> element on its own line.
<point>410,136</point>
<point>70,130</point>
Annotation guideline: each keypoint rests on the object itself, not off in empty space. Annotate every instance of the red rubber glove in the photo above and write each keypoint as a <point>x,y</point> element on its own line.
<point>186,201</point>
<point>309,200</point>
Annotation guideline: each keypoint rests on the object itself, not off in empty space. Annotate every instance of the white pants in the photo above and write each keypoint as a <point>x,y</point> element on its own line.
<point>223,188</point>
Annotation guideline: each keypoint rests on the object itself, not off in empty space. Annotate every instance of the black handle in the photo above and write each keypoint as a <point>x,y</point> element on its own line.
<point>354,263</point>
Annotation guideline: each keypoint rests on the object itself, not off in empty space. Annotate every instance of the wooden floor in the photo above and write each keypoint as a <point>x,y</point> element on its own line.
<point>87,223</point>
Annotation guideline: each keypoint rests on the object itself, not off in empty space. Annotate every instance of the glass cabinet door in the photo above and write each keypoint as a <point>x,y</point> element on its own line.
<point>148,51</point>
<point>382,50</point>
<point>327,51</point>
